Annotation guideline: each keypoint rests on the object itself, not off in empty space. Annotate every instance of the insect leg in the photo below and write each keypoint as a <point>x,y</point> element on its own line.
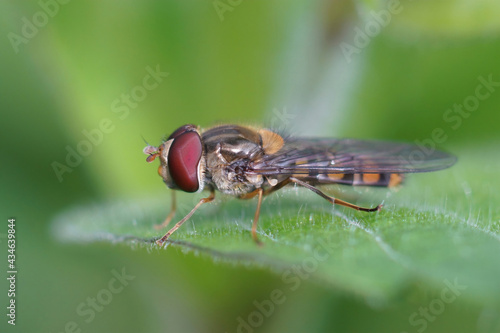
<point>210,198</point>
<point>256,217</point>
<point>266,192</point>
<point>170,215</point>
<point>332,199</point>
<point>277,186</point>
<point>260,192</point>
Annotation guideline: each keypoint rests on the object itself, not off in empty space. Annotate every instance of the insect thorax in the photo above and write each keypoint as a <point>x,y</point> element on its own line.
<point>228,158</point>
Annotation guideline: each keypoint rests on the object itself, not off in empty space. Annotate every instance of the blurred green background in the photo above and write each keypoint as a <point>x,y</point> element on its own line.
<point>303,66</point>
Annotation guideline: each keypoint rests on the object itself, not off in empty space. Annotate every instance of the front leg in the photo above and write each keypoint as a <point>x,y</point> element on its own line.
<point>210,198</point>
<point>169,217</point>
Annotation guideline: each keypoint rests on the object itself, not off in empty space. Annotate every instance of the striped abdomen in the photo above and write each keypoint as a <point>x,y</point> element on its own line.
<point>356,179</point>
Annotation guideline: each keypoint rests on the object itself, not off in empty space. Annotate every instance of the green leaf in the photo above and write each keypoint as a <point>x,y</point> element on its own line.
<point>442,226</point>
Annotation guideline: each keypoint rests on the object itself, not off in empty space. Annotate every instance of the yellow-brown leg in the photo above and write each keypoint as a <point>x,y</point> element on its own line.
<point>332,199</point>
<point>256,217</point>
<point>210,198</point>
<point>260,192</point>
<point>266,192</point>
<point>170,215</point>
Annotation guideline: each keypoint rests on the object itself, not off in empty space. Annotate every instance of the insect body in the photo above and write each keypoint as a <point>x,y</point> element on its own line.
<point>246,162</point>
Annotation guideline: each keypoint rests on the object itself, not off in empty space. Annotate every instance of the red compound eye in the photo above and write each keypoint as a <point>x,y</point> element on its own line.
<point>183,159</point>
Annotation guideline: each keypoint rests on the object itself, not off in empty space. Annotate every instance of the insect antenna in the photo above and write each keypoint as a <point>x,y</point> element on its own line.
<point>150,150</point>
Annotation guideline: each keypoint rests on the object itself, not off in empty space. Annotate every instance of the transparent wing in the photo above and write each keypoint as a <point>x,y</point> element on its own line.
<point>329,156</point>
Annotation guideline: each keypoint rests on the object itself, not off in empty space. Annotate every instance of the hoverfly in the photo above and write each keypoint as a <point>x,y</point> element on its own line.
<point>248,162</point>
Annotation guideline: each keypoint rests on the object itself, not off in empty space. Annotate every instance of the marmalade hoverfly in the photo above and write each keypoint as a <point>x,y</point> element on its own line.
<point>245,162</point>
